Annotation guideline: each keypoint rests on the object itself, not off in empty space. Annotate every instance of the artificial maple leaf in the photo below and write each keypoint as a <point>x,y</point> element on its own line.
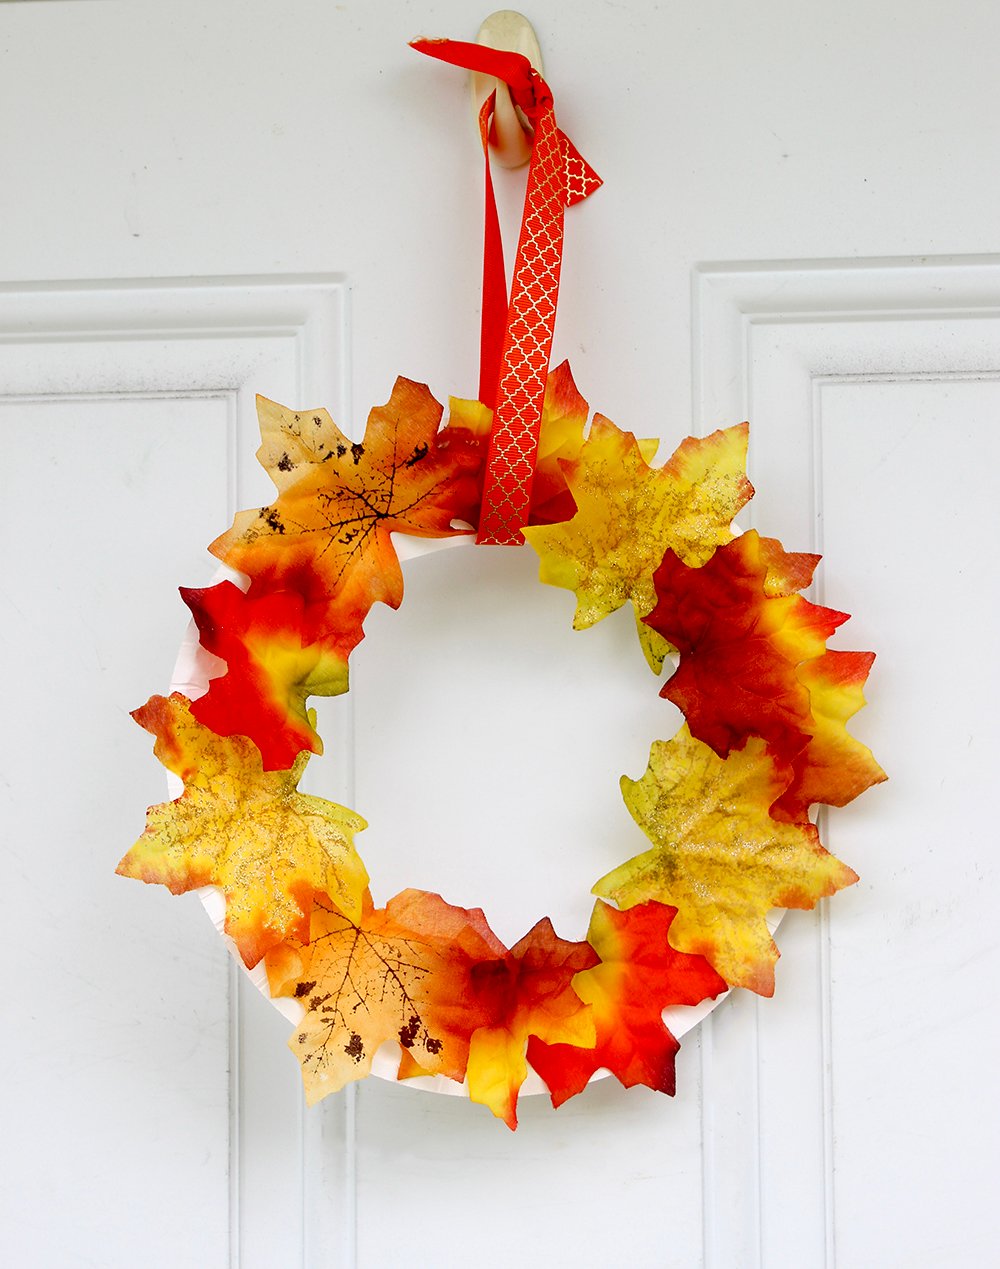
<point>560,439</point>
<point>526,993</point>
<point>629,514</point>
<point>833,767</point>
<point>396,973</point>
<point>719,857</point>
<point>787,571</point>
<point>250,832</point>
<point>639,975</point>
<point>453,1006</point>
<point>740,648</point>
<point>327,535</point>
<point>278,652</point>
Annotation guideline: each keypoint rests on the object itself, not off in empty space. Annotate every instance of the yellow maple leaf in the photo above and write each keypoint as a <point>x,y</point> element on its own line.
<point>629,514</point>
<point>362,982</point>
<point>719,857</point>
<point>248,831</point>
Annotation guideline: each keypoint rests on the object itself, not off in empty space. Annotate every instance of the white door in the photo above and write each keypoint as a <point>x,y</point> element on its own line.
<point>203,201</point>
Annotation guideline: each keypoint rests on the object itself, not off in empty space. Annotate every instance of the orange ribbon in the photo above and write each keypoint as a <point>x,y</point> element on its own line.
<point>516,344</point>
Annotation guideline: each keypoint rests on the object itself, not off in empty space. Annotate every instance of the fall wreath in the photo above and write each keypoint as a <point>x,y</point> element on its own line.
<point>724,803</point>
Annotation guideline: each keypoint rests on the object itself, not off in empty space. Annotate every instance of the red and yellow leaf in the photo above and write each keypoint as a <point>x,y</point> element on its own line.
<point>246,830</point>
<point>327,535</point>
<point>527,993</point>
<point>833,767</point>
<point>787,571</point>
<point>629,514</point>
<point>278,653</point>
<point>639,976</point>
<point>451,1005</point>
<point>740,648</point>
<point>396,973</point>
<point>718,857</point>
<point>560,440</point>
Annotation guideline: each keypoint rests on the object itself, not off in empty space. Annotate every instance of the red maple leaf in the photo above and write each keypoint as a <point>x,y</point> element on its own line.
<point>639,975</point>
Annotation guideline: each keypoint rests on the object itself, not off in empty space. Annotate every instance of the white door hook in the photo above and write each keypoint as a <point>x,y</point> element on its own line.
<point>513,33</point>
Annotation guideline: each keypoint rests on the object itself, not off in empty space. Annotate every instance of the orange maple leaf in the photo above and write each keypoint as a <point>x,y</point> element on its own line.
<point>527,993</point>
<point>740,646</point>
<point>248,831</point>
<point>327,535</point>
<point>833,767</point>
<point>507,998</point>
<point>278,652</point>
<point>639,975</point>
<point>718,857</point>
<point>396,973</point>
<point>454,1005</point>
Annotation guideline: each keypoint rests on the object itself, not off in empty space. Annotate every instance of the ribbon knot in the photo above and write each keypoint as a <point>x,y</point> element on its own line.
<point>536,98</point>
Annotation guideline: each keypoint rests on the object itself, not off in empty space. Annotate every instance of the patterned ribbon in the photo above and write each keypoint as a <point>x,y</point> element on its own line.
<point>515,354</point>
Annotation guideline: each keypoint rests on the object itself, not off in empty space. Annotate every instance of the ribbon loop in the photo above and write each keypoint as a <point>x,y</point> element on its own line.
<point>515,353</point>
<point>527,87</point>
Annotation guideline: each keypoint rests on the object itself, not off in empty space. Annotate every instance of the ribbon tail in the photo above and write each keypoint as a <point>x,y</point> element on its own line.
<point>493,324</point>
<point>527,87</point>
<point>581,179</point>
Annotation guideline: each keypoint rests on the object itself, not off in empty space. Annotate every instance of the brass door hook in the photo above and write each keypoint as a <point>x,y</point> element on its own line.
<point>513,33</point>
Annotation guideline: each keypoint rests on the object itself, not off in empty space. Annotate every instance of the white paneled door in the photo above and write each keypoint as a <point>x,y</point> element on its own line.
<point>202,202</point>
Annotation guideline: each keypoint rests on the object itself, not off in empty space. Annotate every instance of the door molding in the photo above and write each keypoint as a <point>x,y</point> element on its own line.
<point>731,300</point>
<point>227,337</point>
<point>767,339</point>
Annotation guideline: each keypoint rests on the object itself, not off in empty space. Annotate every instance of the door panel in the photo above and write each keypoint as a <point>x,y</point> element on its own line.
<point>121,1057</point>
<point>151,1081</point>
<point>928,872</point>
<point>873,391</point>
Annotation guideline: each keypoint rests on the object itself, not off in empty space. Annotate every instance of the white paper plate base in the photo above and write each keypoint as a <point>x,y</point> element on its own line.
<point>192,671</point>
